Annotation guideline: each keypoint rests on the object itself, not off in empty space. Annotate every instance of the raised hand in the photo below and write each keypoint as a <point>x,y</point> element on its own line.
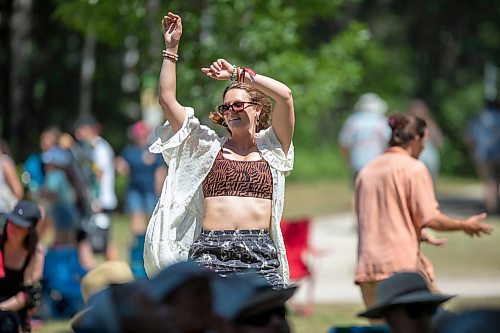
<point>474,227</point>
<point>172,30</point>
<point>428,237</point>
<point>220,69</point>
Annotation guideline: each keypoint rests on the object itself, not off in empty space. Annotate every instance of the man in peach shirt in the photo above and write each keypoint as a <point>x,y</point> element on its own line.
<point>394,201</point>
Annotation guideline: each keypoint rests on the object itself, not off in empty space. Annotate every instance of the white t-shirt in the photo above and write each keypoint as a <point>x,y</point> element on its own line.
<point>104,159</point>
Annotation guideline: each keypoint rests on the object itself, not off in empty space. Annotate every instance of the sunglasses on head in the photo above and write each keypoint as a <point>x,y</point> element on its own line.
<point>417,310</point>
<point>263,318</point>
<point>235,107</point>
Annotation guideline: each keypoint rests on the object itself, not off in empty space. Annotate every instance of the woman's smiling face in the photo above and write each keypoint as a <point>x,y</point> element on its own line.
<point>244,119</point>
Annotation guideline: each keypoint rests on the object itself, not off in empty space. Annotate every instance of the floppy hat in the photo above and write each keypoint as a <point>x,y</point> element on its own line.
<point>402,288</point>
<point>103,275</point>
<point>94,285</point>
<point>25,214</point>
<point>370,102</point>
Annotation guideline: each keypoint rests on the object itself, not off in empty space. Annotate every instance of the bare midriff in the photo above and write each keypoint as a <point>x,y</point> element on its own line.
<point>236,213</point>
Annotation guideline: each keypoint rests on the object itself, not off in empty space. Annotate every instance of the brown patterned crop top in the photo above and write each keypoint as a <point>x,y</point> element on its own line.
<point>238,178</point>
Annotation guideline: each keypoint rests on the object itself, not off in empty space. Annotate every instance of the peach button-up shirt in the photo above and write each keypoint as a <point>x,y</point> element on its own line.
<point>394,200</point>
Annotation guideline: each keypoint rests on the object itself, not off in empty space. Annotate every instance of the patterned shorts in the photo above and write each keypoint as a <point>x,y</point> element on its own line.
<point>236,252</point>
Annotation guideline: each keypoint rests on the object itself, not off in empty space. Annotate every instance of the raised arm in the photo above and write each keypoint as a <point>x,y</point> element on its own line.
<point>12,179</point>
<point>283,116</point>
<point>167,85</point>
<point>472,226</point>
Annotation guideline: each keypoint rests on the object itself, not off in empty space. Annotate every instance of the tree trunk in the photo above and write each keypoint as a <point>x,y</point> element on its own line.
<point>87,74</point>
<point>20,73</point>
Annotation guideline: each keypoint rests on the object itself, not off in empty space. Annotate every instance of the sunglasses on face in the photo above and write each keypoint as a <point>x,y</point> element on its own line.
<point>235,107</point>
<point>417,310</point>
<point>263,318</point>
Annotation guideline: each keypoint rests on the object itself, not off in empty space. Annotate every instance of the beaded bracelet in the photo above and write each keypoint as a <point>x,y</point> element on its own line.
<point>233,75</point>
<point>172,56</point>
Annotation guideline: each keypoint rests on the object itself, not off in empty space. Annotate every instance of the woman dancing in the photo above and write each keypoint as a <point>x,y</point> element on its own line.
<point>223,198</point>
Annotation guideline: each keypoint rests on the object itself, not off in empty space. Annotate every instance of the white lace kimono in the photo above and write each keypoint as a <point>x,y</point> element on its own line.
<point>178,216</point>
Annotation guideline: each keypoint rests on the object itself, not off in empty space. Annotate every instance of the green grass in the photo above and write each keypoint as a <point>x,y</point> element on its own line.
<point>477,257</point>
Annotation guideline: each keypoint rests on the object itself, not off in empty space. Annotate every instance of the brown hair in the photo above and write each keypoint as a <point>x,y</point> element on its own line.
<point>30,241</point>
<point>404,128</point>
<point>256,96</point>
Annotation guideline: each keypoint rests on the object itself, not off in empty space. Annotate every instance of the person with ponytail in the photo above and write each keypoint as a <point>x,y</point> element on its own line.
<point>394,201</point>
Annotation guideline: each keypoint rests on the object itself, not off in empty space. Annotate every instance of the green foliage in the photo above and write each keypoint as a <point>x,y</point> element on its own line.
<point>109,20</point>
<point>318,163</point>
<point>328,52</point>
<point>269,36</point>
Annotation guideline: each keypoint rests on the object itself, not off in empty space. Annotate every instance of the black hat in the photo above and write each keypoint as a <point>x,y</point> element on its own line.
<point>25,214</point>
<point>402,288</point>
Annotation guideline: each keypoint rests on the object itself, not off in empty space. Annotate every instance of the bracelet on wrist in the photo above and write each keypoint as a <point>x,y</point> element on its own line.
<point>233,74</point>
<point>171,56</point>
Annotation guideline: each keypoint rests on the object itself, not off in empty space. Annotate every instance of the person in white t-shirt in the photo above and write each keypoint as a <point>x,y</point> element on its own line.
<point>101,155</point>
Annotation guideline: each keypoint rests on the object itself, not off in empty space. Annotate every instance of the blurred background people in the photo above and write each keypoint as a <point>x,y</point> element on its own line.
<point>430,155</point>
<point>34,173</point>
<point>59,197</point>
<point>101,156</point>
<point>63,269</point>
<point>11,189</point>
<point>21,266</point>
<point>483,140</point>
<point>146,173</point>
<point>365,133</point>
<point>394,200</point>
<point>82,184</point>
<point>406,303</point>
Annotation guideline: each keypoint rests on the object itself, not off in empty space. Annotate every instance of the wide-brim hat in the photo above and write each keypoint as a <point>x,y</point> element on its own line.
<point>94,285</point>
<point>103,275</point>
<point>402,288</point>
<point>244,295</point>
<point>166,281</point>
<point>25,214</point>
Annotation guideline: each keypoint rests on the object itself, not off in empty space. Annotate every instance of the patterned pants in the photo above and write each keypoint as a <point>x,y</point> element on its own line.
<point>236,252</point>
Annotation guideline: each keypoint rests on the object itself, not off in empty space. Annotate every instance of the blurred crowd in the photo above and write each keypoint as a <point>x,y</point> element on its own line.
<point>71,179</point>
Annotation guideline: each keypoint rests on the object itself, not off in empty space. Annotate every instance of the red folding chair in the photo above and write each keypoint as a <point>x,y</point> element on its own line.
<point>296,238</point>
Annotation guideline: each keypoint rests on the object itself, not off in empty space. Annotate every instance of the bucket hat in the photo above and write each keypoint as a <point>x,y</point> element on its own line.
<point>402,288</point>
<point>371,102</point>
<point>25,214</point>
